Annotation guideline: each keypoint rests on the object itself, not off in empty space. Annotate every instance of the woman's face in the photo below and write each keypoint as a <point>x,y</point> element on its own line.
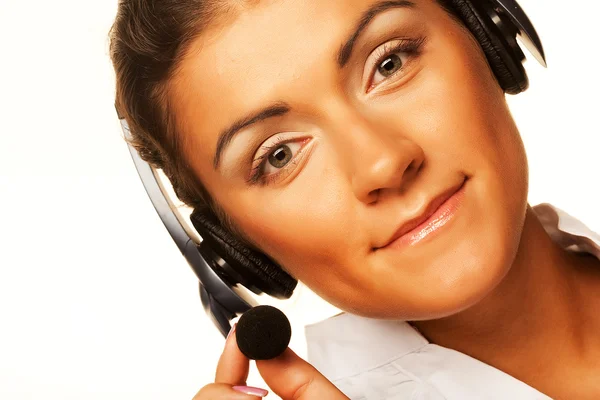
<point>345,120</point>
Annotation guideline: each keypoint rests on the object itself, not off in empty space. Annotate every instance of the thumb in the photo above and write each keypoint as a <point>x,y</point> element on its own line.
<point>292,378</point>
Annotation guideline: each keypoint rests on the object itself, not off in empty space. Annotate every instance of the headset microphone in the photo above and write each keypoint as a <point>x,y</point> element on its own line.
<point>263,333</point>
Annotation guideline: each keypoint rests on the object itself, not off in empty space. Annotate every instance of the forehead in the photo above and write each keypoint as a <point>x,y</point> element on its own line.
<point>270,51</point>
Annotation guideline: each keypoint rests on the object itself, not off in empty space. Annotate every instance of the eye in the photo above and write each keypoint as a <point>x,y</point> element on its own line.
<point>389,66</point>
<point>275,160</point>
<point>392,58</point>
<point>280,157</point>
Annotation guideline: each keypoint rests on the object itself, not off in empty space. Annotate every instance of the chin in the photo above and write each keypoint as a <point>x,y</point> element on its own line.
<point>461,271</point>
<point>458,287</point>
<point>478,268</point>
<point>451,293</point>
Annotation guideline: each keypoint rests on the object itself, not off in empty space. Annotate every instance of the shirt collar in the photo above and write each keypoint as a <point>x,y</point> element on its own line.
<point>361,342</point>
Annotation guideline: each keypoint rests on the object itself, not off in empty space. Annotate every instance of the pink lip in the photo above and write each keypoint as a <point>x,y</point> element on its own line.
<point>439,212</point>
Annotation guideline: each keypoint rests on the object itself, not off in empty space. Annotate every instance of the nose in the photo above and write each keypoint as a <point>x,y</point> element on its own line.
<point>383,162</point>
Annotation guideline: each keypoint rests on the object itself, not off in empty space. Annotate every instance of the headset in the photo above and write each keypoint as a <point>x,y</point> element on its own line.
<point>226,268</point>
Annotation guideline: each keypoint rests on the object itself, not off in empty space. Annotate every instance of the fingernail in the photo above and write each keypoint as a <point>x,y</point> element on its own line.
<point>231,331</point>
<point>253,391</point>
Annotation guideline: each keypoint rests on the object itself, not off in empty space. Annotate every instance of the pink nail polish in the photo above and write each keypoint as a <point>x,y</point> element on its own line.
<point>253,391</point>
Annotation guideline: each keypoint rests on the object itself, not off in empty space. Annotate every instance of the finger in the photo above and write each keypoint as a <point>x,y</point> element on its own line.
<point>233,366</point>
<point>222,391</point>
<point>290,377</point>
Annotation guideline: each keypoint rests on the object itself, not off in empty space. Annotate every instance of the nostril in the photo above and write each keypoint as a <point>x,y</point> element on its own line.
<point>416,164</point>
<point>414,167</point>
<point>374,195</point>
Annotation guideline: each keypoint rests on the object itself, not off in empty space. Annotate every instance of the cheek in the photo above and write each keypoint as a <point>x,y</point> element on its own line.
<point>308,234</point>
<point>476,134</point>
<point>467,125</point>
<point>455,110</point>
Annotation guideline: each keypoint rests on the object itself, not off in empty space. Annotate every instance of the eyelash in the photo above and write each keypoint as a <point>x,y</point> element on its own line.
<point>257,174</point>
<point>412,47</point>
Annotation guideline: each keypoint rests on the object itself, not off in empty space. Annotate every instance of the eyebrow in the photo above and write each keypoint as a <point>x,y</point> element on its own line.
<point>274,110</point>
<point>346,49</point>
<point>281,108</point>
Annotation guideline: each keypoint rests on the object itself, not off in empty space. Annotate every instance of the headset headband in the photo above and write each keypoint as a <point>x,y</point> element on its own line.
<point>221,301</point>
<point>525,28</point>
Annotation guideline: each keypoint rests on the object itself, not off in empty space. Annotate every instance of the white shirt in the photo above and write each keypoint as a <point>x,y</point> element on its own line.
<point>371,359</point>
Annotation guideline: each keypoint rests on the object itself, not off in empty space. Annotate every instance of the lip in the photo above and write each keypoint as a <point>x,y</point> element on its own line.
<point>439,212</point>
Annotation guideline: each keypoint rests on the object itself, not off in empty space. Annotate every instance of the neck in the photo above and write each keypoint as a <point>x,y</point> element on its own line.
<point>538,321</point>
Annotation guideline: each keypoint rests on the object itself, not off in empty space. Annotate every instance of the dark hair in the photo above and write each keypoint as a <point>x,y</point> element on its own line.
<point>148,40</point>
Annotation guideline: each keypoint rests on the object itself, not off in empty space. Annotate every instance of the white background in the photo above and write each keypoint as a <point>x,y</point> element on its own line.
<point>96,302</point>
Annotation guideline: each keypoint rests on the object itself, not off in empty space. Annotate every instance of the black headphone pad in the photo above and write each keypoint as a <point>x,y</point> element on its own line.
<point>255,268</point>
<point>505,64</point>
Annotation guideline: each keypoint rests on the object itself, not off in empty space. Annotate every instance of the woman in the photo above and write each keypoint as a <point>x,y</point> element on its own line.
<point>322,145</point>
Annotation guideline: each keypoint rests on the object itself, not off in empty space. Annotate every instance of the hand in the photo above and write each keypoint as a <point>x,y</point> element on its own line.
<point>288,376</point>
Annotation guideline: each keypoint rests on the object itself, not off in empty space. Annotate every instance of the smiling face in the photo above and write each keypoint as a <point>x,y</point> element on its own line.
<point>335,123</point>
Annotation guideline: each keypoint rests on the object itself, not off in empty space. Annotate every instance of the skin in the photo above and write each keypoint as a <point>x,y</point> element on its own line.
<point>288,376</point>
<point>370,153</point>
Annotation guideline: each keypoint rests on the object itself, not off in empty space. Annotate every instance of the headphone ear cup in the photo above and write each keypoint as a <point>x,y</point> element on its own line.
<point>256,268</point>
<point>505,62</point>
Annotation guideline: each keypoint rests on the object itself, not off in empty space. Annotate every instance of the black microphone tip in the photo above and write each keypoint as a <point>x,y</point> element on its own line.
<point>263,332</point>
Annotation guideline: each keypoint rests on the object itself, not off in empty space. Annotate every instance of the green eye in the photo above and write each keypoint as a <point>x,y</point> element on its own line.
<point>390,65</point>
<point>281,156</point>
